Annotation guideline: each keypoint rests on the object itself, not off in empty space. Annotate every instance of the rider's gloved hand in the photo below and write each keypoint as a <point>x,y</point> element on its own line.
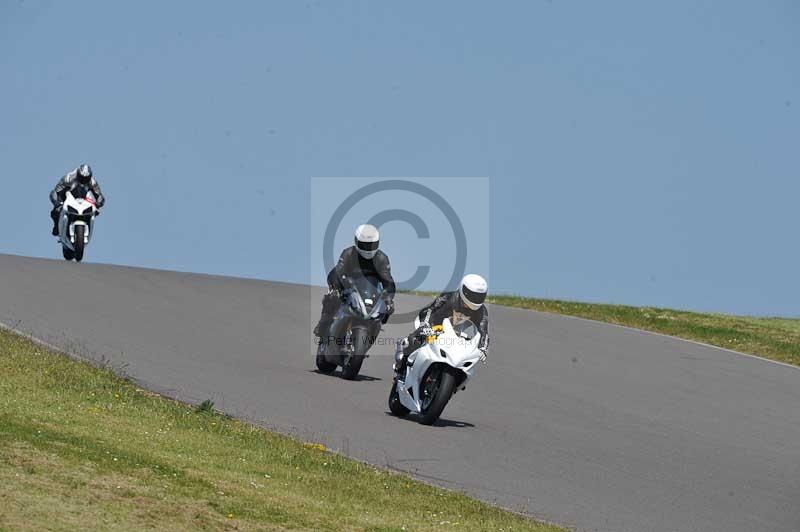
<point>426,331</point>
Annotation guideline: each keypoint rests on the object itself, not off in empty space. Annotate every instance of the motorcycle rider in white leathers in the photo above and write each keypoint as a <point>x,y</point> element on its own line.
<point>467,301</point>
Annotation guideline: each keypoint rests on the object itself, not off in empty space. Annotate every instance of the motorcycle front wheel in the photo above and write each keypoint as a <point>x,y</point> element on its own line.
<point>79,242</point>
<point>359,343</point>
<point>437,388</point>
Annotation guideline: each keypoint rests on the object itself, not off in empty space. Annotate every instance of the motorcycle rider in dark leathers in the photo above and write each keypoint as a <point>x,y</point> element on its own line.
<point>363,258</point>
<point>466,302</point>
<point>82,175</point>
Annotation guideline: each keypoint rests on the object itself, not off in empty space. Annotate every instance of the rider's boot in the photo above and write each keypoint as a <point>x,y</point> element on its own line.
<point>400,357</point>
<point>54,216</point>
<point>330,303</point>
<point>322,329</point>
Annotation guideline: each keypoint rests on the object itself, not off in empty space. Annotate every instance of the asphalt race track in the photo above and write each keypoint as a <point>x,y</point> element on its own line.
<point>588,425</point>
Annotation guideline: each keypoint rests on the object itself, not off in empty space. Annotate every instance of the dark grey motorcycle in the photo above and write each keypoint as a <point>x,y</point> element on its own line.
<point>355,327</point>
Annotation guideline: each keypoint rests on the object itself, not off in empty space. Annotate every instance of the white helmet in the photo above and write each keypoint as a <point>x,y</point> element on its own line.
<point>367,240</point>
<point>473,290</point>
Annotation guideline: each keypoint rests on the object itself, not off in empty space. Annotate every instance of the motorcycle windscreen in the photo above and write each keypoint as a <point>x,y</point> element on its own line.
<point>464,328</point>
<point>79,191</point>
<point>369,287</point>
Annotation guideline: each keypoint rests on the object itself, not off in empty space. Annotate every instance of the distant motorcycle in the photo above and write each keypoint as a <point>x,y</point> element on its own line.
<point>436,371</point>
<point>76,222</point>
<point>355,327</point>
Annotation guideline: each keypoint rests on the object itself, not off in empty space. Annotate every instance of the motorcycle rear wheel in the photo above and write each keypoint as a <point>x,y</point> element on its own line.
<point>323,365</point>
<point>395,406</point>
<point>68,253</point>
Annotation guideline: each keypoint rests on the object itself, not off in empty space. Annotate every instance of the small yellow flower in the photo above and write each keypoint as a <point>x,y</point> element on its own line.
<point>230,516</point>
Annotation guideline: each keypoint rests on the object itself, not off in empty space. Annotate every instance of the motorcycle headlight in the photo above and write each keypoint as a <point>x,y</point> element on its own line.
<point>71,209</point>
<point>379,307</point>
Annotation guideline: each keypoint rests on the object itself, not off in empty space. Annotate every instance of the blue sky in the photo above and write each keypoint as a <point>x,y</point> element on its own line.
<point>638,152</point>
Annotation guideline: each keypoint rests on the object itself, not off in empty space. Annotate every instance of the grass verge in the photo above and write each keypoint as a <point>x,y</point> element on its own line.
<point>81,448</point>
<point>773,338</point>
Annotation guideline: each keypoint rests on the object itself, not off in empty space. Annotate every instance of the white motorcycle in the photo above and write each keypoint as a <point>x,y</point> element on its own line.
<point>436,371</point>
<point>76,222</point>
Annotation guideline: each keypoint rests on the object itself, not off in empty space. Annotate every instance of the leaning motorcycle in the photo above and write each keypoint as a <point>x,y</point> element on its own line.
<point>76,222</point>
<point>355,327</point>
<point>436,371</point>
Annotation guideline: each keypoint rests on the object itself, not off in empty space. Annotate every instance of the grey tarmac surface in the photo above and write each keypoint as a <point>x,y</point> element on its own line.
<point>588,425</point>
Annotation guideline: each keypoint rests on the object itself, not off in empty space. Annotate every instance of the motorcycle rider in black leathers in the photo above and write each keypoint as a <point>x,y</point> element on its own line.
<point>467,301</point>
<point>363,258</point>
<point>82,175</point>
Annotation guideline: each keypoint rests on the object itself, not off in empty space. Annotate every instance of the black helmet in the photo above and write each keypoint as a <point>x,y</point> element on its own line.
<point>84,174</point>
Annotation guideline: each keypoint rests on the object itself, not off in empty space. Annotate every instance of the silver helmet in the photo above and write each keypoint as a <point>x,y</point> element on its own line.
<point>367,240</point>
